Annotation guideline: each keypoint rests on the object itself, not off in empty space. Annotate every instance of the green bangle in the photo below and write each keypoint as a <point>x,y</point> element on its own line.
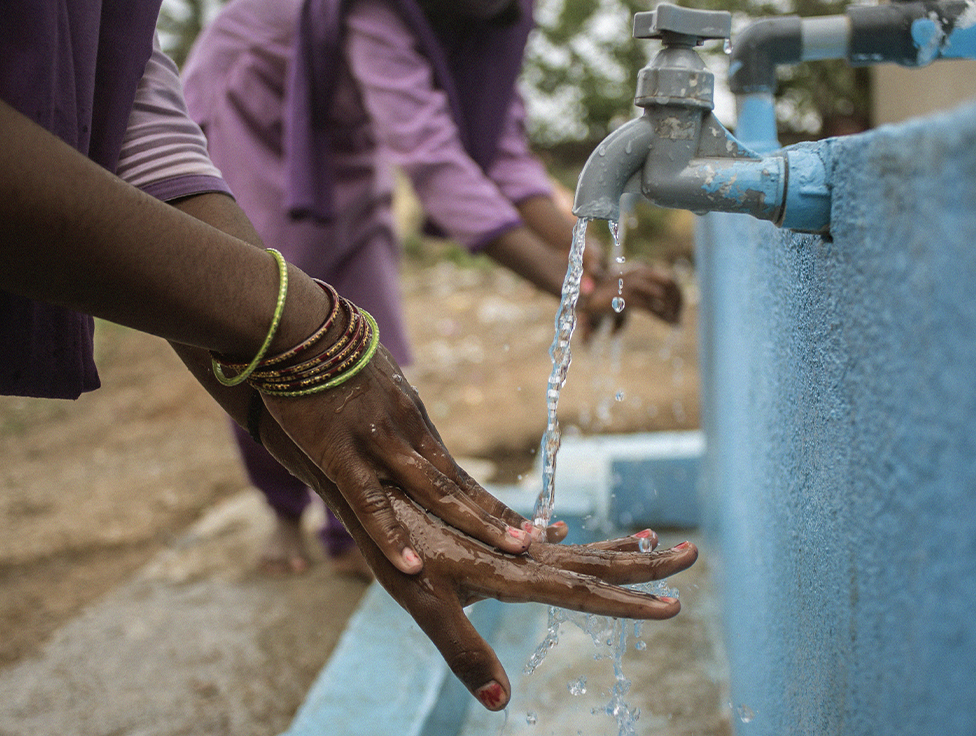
<point>374,343</point>
<point>275,321</point>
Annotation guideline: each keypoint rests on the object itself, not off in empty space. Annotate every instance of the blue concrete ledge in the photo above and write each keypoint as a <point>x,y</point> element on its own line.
<point>621,482</point>
<point>385,676</point>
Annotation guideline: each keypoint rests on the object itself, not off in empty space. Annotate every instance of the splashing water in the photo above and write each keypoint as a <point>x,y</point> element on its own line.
<point>745,713</point>
<point>561,355</point>
<point>578,686</point>
<point>610,637</point>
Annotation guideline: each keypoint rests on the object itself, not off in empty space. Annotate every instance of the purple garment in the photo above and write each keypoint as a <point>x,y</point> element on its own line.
<point>71,66</point>
<point>476,67</point>
<point>287,495</point>
<point>382,110</point>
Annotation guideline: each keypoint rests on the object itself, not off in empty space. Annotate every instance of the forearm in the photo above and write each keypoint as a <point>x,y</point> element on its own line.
<point>73,234</point>
<point>539,250</point>
<point>523,252</point>
<point>541,215</point>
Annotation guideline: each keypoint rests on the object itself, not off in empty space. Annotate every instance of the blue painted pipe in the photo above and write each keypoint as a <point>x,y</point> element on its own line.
<point>911,34</point>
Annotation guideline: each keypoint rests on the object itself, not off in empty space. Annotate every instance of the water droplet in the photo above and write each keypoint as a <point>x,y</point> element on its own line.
<point>640,645</point>
<point>727,46</point>
<point>619,396</point>
<point>531,718</point>
<point>620,259</point>
<point>644,544</point>
<point>577,687</point>
<point>617,304</point>
<point>745,713</point>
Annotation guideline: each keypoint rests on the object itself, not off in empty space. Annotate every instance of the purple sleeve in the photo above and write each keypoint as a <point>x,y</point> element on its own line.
<point>164,152</point>
<point>516,171</point>
<point>412,120</point>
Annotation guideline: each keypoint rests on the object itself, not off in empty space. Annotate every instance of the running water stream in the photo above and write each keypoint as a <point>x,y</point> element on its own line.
<point>609,635</point>
<point>561,355</point>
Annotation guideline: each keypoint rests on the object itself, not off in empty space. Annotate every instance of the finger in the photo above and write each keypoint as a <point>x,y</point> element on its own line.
<point>468,655</point>
<point>532,581</point>
<point>645,540</point>
<point>441,459</point>
<point>370,504</point>
<point>654,292</point>
<point>619,320</point>
<point>557,532</point>
<point>483,498</point>
<point>441,496</point>
<point>619,568</point>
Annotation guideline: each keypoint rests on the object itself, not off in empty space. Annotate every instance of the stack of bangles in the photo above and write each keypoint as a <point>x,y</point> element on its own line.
<point>281,375</point>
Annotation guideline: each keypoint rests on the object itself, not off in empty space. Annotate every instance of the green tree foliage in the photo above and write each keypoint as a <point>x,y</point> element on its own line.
<point>180,22</point>
<point>582,68</point>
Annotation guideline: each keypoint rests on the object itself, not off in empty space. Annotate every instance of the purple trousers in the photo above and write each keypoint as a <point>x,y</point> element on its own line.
<point>287,495</point>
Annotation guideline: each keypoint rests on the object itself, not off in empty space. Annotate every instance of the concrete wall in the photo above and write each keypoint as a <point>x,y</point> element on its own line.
<point>839,381</point>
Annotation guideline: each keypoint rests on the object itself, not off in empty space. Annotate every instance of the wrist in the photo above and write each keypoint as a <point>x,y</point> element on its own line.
<point>307,308</point>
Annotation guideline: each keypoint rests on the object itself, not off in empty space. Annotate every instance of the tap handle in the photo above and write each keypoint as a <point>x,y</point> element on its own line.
<point>683,26</point>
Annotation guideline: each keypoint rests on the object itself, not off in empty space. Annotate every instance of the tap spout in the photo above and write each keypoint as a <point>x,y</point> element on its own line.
<point>612,169</point>
<point>713,174</point>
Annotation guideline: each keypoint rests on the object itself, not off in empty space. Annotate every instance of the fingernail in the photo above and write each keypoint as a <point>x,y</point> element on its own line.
<point>560,523</point>
<point>518,534</point>
<point>410,557</point>
<point>643,534</point>
<point>666,599</point>
<point>533,531</point>
<point>683,545</point>
<point>491,695</point>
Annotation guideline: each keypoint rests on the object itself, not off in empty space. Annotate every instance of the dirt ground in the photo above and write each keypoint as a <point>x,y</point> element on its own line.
<point>91,491</point>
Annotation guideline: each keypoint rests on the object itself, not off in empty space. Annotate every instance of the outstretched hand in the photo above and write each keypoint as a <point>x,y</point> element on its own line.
<point>459,571</point>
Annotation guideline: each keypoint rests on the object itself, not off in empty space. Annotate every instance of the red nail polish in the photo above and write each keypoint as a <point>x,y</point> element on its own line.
<point>491,695</point>
<point>560,523</point>
<point>643,534</point>
<point>517,533</point>
<point>410,557</point>
<point>683,545</point>
<point>666,599</point>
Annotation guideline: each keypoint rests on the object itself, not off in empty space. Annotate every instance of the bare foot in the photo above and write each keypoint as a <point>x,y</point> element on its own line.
<point>352,564</point>
<point>285,552</point>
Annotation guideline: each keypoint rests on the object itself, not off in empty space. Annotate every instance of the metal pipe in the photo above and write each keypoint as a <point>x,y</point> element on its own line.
<point>908,33</point>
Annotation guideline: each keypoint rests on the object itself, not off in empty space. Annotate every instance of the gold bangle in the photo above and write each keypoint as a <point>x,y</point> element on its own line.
<point>275,321</point>
<point>342,377</point>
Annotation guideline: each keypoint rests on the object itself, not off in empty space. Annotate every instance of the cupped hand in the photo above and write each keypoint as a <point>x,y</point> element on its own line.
<point>372,432</point>
<point>644,288</point>
<point>459,570</point>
